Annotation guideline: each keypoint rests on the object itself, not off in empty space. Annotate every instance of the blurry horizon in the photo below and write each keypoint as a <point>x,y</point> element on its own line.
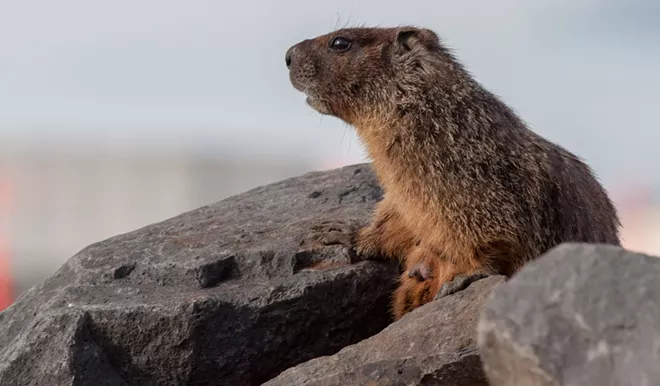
<point>98,97</point>
<point>582,73</point>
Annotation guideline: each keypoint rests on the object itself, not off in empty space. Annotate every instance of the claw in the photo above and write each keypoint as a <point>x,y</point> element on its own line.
<point>459,283</point>
<point>329,233</point>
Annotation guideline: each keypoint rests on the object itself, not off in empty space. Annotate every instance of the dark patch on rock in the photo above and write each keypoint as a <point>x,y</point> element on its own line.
<point>123,270</point>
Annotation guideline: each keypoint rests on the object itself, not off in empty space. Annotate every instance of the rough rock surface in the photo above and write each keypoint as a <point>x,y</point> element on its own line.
<point>433,345</point>
<point>222,295</point>
<point>579,315</point>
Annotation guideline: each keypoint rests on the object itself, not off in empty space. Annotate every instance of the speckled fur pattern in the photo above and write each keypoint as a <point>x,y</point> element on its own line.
<point>467,185</point>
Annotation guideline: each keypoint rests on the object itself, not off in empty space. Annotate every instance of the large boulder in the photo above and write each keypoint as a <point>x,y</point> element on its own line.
<point>580,315</point>
<point>432,345</point>
<point>222,295</point>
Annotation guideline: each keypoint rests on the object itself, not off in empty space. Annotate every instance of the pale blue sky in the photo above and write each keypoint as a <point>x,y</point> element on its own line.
<point>583,73</point>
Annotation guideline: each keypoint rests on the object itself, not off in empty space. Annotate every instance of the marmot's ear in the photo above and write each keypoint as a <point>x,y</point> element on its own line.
<point>408,38</point>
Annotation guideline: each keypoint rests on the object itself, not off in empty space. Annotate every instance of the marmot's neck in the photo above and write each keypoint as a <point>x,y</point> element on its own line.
<point>439,132</point>
<point>434,118</point>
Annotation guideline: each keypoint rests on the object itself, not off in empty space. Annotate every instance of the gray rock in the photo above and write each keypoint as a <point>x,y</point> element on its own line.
<point>222,295</point>
<point>433,345</point>
<point>579,315</point>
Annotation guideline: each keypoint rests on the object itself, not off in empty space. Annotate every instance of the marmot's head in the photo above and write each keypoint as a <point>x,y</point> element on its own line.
<point>355,72</point>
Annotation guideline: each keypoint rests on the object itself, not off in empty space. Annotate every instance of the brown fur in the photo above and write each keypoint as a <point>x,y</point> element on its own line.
<point>467,186</point>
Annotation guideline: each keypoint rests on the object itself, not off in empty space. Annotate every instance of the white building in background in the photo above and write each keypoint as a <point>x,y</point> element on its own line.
<point>62,199</point>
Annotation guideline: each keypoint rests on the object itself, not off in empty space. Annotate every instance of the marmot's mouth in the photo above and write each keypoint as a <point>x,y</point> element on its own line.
<point>318,105</point>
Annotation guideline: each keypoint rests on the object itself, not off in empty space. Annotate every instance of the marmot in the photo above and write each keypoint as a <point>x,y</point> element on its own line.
<point>469,189</point>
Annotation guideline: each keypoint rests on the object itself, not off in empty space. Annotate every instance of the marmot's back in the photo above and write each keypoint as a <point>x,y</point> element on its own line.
<point>583,212</point>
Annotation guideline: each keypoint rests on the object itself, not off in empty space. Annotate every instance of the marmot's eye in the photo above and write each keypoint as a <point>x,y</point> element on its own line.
<point>340,44</point>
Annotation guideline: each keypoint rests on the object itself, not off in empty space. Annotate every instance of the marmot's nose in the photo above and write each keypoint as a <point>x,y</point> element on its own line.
<point>288,55</point>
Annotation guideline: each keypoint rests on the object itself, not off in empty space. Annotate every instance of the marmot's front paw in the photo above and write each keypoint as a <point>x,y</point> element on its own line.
<point>459,283</point>
<point>330,233</point>
<point>368,244</point>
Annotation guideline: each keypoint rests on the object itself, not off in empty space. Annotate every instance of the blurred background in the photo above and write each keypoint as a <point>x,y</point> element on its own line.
<point>115,115</point>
